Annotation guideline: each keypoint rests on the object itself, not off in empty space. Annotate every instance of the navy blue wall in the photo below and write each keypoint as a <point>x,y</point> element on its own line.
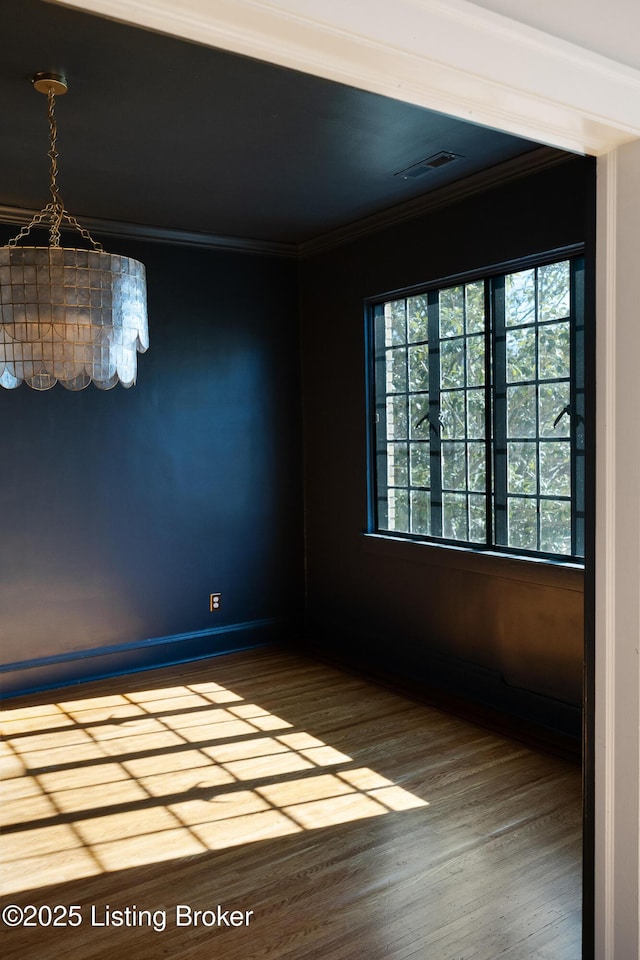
<point>122,511</point>
<point>505,633</point>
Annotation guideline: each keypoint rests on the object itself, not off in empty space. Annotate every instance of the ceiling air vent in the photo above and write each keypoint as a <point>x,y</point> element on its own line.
<point>425,166</point>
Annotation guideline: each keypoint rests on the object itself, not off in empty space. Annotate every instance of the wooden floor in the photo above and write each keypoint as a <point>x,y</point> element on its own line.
<point>307,814</point>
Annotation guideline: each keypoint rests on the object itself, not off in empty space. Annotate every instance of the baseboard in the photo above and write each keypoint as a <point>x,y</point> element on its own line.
<point>98,663</point>
<point>464,689</point>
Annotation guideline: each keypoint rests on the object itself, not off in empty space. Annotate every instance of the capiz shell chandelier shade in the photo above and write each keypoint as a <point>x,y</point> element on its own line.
<point>68,315</point>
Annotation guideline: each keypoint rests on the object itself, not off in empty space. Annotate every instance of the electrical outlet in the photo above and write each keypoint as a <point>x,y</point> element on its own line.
<point>215,601</point>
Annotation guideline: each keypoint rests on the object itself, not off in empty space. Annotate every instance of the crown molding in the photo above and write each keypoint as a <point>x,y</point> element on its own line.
<point>19,216</point>
<point>534,161</point>
<point>541,158</point>
<point>446,55</point>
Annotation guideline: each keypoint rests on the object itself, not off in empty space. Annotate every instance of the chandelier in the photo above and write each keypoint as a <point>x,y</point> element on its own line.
<point>68,315</point>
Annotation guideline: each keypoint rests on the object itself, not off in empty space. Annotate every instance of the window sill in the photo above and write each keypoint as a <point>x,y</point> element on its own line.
<point>567,576</point>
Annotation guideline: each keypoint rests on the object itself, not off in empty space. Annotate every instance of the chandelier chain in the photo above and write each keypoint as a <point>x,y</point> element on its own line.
<point>54,212</point>
<point>57,206</point>
<point>44,214</point>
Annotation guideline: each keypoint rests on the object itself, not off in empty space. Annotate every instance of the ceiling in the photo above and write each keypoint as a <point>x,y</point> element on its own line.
<point>611,29</point>
<point>169,134</point>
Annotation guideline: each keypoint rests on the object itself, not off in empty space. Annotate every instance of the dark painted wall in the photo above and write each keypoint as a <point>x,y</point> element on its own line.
<point>507,633</point>
<point>122,511</point>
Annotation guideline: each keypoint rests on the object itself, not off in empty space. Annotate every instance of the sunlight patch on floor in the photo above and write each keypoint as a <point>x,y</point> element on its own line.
<point>106,783</point>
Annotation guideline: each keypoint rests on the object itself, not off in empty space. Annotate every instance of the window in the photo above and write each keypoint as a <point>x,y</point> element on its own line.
<point>478,399</point>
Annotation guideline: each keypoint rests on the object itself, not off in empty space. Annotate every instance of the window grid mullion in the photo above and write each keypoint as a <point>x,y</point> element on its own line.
<point>577,405</point>
<point>380,433</point>
<point>536,341</point>
<point>407,413</point>
<point>489,440</point>
<point>500,410</point>
<point>465,444</point>
<point>435,444</point>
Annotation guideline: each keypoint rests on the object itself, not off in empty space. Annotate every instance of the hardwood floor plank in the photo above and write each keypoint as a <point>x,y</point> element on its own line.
<point>354,822</point>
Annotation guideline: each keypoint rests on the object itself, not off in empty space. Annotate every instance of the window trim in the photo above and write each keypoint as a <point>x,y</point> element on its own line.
<point>568,575</point>
<point>487,274</point>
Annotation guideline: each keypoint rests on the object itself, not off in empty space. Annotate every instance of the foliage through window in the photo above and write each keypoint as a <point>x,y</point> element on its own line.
<point>478,391</point>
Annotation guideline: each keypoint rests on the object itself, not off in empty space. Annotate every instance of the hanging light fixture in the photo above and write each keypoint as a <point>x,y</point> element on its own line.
<point>68,315</point>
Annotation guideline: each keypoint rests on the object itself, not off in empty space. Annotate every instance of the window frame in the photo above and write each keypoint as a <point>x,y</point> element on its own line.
<point>575,253</point>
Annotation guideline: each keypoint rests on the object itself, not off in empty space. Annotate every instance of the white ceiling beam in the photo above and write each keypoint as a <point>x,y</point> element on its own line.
<point>447,55</point>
